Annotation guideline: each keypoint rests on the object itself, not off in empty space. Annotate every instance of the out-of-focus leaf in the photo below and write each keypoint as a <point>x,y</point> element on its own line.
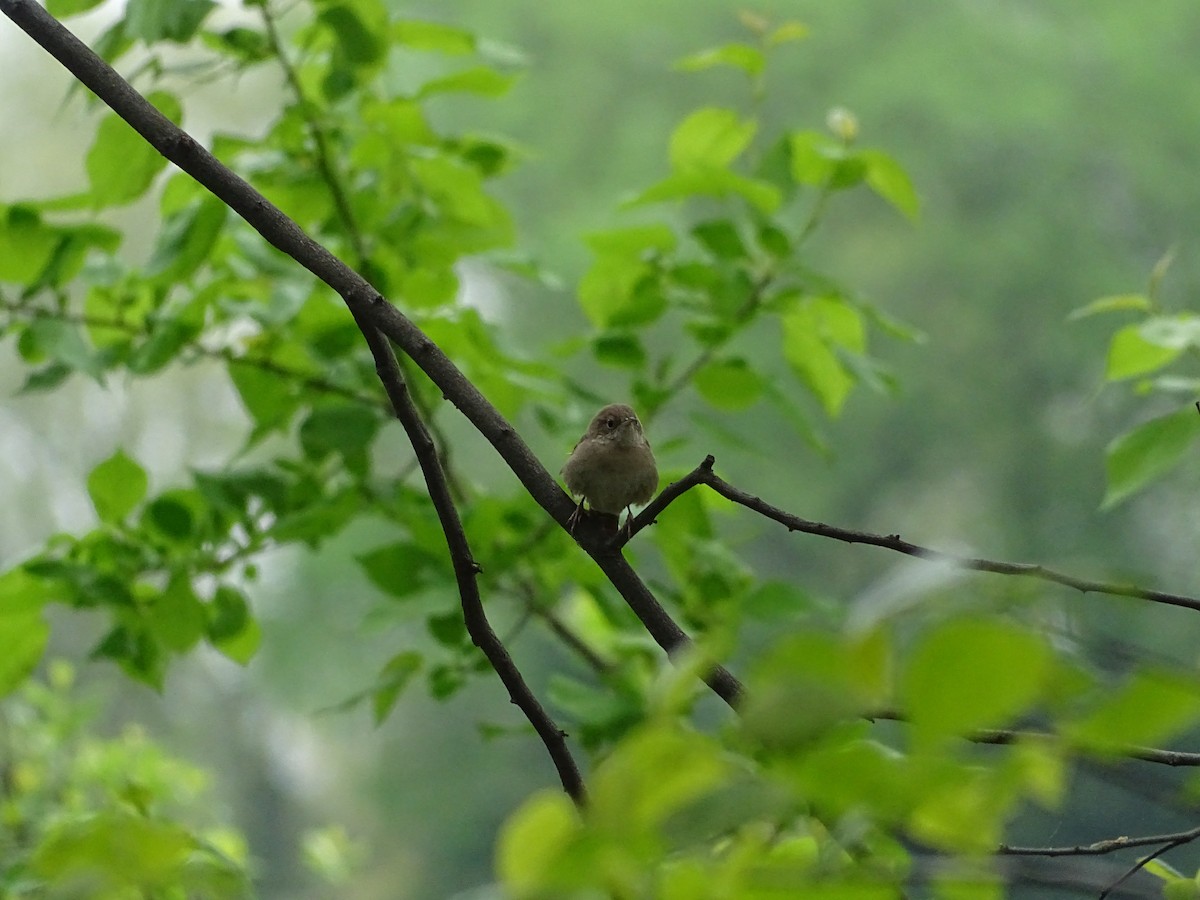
<point>120,164</point>
<point>23,631</point>
<point>813,330</point>
<point>231,628</point>
<point>391,682</point>
<point>114,853</point>
<point>749,59</point>
<point>116,487</point>
<point>481,80</point>
<point>709,138</point>
<point>62,9</point>
<point>1113,303</point>
<point>345,428</point>
<point>729,384</point>
<point>400,569</point>
<point>26,244</point>
<point>1130,354</point>
<point>151,21</point>
<point>1151,707</point>
<point>177,615</point>
<point>1146,453</point>
<point>968,674</point>
<point>891,182</point>
<point>434,36</point>
<point>719,183</point>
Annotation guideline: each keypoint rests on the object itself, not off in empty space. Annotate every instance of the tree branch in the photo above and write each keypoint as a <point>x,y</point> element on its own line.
<point>465,567</point>
<point>1111,845</point>
<point>364,302</point>
<point>703,474</point>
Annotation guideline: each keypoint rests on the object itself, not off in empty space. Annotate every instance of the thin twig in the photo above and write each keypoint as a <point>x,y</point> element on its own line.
<point>1110,845</point>
<point>1133,870</point>
<point>703,474</point>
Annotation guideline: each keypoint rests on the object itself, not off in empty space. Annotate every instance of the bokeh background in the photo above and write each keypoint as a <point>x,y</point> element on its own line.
<point>1054,146</point>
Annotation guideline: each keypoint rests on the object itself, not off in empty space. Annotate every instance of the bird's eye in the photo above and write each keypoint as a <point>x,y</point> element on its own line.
<point>610,423</point>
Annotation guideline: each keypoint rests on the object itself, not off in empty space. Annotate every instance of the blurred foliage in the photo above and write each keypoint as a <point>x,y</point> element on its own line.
<point>709,290</point>
<point>85,816</point>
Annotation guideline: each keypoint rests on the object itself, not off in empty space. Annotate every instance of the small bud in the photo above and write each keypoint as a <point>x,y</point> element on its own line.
<point>843,124</point>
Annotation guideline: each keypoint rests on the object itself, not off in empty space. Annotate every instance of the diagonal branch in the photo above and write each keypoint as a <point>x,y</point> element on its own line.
<point>703,474</point>
<point>465,567</point>
<point>1178,841</point>
<point>364,302</point>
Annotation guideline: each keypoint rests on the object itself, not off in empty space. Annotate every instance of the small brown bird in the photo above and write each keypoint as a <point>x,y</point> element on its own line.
<point>612,466</point>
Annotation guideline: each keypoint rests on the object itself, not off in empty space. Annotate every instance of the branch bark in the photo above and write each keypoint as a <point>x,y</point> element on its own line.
<point>466,569</point>
<point>703,474</point>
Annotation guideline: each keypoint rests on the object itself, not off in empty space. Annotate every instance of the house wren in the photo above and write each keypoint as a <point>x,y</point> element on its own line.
<point>612,466</point>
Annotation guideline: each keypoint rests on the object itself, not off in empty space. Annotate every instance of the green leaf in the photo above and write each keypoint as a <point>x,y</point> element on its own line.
<point>392,680</point>
<point>399,569</point>
<point>631,241</point>
<point>749,59</point>
<point>729,384</point>
<point>116,486</point>
<point>619,348</point>
<point>532,854</point>
<point>1150,708</point>
<point>187,238</point>
<point>133,649</point>
<point>231,628</point>
<point>721,238</point>
<point>1148,452</point>
<point>787,32</point>
<point>720,183</point>
<point>177,616</point>
<point>481,80</point>
<point>270,398</point>
<point>710,138</point>
<point>620,287</point>
<point>121,164</point>
<point>811,682</point>
<point>23,631</point>
<point>26,244</point>
<point>175,514</point>
<point>152,21</point>
<point>1178,888</point>
<point>1113,303</point>
<point>114,853</point>
<point>1149,345</point>
<point>651,775</point>
<point>46,378</point>
<point>62,9</point>
<point>891,182</point>
<point>169,336</point>
<point>813,157</point>
<point>968,674</point>
<point>813,328</point>
<point>345,429</point>
<point>434,37</point>
<point>62,342</point>
<point>359,27</point>
<point>244,44</point>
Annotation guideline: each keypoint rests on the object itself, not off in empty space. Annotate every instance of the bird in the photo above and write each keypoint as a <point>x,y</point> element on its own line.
<point>612,467</point>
